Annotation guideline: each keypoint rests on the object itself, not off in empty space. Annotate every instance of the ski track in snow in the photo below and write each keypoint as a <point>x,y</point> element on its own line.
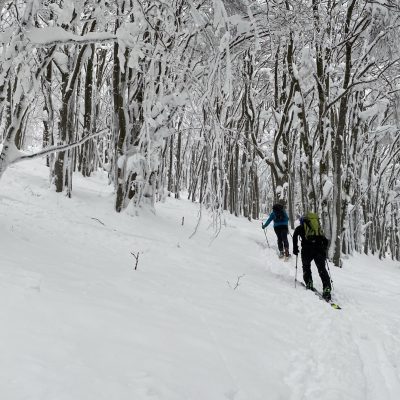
<point>78,323</point>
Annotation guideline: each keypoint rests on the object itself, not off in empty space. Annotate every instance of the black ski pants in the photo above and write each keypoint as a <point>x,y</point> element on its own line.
<point>309,254</point>
<point>281,233</point>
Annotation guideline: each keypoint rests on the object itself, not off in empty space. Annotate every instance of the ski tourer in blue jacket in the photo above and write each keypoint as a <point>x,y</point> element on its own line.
<point>277,222</point>
<point>281,228</point>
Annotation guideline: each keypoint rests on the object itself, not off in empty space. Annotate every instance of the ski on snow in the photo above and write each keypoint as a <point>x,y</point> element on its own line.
<point>317,293</point>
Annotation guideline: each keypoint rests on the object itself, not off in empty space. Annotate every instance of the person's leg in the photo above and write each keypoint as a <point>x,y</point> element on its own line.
<point>277,230</point>
<point>306,259</point>
<point>284,235</point>
<point>319,260</point>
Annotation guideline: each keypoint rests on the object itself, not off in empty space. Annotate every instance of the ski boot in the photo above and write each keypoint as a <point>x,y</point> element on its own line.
<point>309,285</point>
<point>326,294</point>
<point>281,254</point>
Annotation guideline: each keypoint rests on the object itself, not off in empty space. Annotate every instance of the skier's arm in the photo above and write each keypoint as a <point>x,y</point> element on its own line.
<point>268,221</point>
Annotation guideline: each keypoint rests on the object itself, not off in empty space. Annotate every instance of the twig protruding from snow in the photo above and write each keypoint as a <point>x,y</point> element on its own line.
<point>96,219</point>
<point>136,258</point>
<point>237,282</point>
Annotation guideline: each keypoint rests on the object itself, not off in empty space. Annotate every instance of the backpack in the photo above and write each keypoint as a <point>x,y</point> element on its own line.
<point>313,231</point>
<point>279,213</point>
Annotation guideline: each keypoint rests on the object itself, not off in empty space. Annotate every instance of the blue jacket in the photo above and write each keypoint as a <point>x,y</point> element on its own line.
<point>272,217</point>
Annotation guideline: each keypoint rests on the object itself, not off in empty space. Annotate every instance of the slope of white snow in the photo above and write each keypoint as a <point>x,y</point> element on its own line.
<point>79,323</point>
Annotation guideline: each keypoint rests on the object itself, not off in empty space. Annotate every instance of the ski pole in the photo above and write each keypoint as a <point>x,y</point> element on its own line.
<point>329,272</point>
<point>265,233</point>
<point>295,277</point>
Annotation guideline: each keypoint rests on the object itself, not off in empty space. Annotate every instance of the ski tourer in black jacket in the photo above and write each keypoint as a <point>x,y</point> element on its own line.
<point>313,249</point>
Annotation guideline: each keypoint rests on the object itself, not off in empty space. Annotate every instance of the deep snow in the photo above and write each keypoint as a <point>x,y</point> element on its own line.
<point>79,323</point>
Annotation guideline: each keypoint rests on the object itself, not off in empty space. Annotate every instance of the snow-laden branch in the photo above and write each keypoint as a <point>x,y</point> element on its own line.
<point>21,156</point>
<point>353,84</point>
<point>51,36</point>
<point>2,2</point>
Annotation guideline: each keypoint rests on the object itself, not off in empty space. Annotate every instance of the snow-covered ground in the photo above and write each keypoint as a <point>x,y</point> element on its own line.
<point>77,322</point>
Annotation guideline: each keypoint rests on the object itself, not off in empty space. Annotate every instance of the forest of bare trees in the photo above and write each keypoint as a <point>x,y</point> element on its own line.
<point>234,104</point>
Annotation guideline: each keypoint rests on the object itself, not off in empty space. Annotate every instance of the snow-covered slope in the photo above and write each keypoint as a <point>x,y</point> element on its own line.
<point>79,323</point>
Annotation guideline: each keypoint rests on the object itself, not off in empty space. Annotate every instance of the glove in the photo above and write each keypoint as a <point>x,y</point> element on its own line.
<point>262,225</point>
<point>295,251</point>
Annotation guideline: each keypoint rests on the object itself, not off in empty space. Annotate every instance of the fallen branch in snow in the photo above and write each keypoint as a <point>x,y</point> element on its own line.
<point>237,282</point>
<point>136,258</point>
<point>96,219</point>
